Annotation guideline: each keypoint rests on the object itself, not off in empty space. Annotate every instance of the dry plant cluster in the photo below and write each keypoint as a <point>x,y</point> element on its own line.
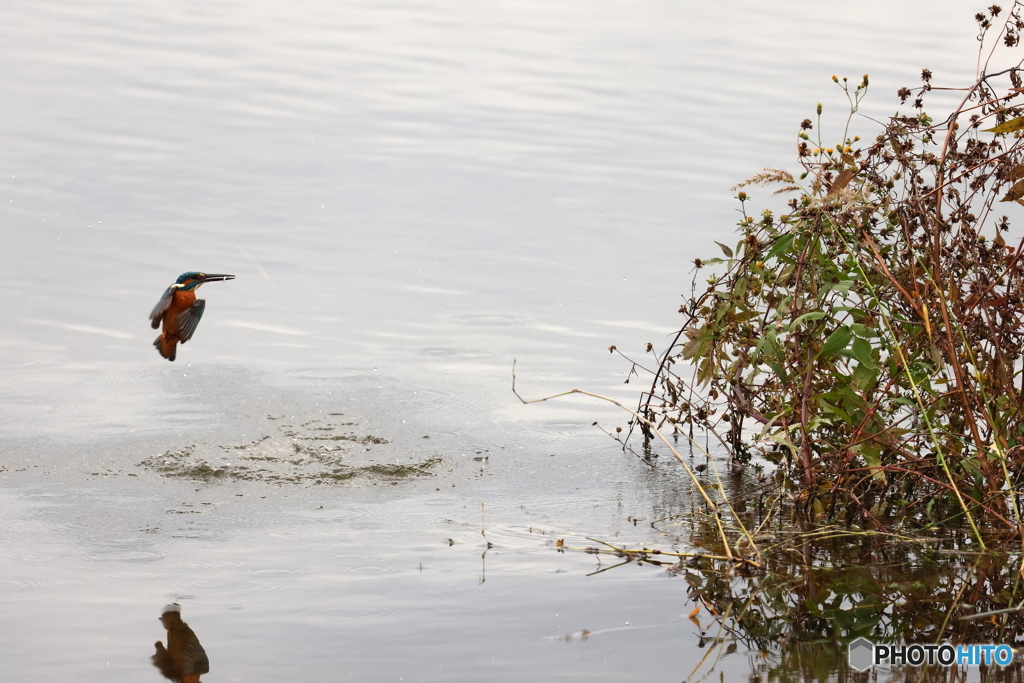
<point>870,340</point>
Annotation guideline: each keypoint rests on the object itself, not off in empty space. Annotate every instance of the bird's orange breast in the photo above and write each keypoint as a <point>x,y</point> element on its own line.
<point>181,301</point>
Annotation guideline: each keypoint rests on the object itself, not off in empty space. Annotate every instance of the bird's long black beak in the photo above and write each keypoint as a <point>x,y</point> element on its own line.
<point>213,277</point>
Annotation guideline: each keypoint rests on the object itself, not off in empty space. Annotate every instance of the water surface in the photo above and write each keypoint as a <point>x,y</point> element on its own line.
<point>411,195</point>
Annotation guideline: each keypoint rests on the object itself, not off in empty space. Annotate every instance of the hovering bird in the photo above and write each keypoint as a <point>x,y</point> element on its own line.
<point>180,311</point>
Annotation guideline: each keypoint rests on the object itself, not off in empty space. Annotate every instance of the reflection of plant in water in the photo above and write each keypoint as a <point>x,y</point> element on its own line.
<point>814,589</point>
<point>817,592</point>
<point>881,589</point>
<point>820,587</point>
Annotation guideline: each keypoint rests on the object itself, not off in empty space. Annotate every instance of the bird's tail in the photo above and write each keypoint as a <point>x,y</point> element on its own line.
<point>168,348</point>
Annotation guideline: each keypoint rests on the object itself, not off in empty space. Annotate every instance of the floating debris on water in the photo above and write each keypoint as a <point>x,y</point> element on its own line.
<point>314,452</point>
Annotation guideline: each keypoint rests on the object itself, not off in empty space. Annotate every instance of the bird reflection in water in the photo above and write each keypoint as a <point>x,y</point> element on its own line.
<point>183,660</point>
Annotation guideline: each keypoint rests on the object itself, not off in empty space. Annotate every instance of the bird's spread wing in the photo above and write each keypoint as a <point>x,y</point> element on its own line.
<point>161,307</point>
<point>196,661</point>
<point>189,319</point>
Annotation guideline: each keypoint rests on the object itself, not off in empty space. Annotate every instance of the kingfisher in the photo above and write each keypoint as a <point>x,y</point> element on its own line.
<point>183,660</point>
<point>180,311</point>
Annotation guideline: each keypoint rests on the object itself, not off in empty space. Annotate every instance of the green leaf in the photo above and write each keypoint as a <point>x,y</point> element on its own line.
<point>862,352</point>
<point>873,458</point>
<point>843,286</point>
<point>863,330</point>
<point>1011,126</point>
<point>705,371</point>
<point>836,341</point>
<point>759,350</point>
<point>698,347</point>
<point>725,250</point>
<point>844,620</point>
<point>814,315</point>
<point>781,372</point>
<point>864,377</point>
<point>850,401</point>
<point>768,345</point>
<point>780,246</point>
<point>833,409</point>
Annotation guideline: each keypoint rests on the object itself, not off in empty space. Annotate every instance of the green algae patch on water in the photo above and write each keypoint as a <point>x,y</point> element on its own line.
<point>319,451</point>
<point>399,471</point>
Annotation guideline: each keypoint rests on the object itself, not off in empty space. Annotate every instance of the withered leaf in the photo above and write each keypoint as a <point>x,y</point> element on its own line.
<point>692,348</point>
<point>1017,173</point>
<point>1011,126</point>
<point>1016,192</point>
<point>841,181</point>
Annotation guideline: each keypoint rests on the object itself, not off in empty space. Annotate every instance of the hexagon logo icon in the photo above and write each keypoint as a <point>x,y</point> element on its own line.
<point>862,653</point>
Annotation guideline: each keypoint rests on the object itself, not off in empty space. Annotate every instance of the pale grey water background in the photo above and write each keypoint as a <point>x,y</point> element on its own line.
<point>411,195</point>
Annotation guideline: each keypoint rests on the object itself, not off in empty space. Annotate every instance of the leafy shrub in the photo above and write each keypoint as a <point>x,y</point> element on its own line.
<point>870,340</point>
